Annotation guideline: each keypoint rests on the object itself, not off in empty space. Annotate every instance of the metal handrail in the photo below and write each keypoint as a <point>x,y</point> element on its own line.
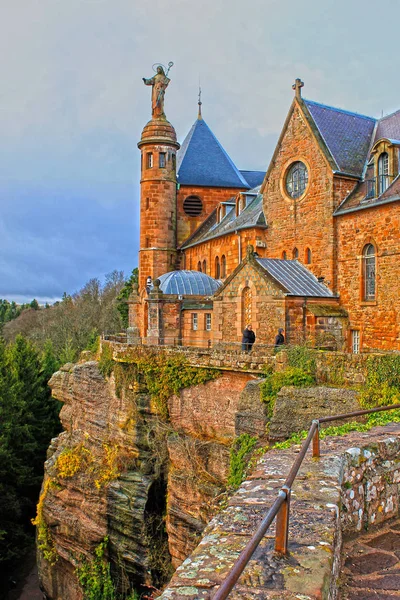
<point>281,506</point>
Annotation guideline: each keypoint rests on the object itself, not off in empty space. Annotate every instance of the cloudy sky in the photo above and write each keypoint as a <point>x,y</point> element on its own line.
<point>72,107</point>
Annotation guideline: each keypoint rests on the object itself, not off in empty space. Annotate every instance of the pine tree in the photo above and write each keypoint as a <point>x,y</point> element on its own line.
<point>124,294</point>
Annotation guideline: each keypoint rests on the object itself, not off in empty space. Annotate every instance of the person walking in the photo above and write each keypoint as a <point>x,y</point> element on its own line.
<point>279,340</point>
<point>248,339</point>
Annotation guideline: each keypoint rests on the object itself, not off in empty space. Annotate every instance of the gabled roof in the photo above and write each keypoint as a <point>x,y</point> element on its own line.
<point>253,178</point>
<point>296,279</point>
<point>251,216</point>
<point>188,283</point>
<point>203,161</point>
<point>347,135</point>
<point>389,127</point>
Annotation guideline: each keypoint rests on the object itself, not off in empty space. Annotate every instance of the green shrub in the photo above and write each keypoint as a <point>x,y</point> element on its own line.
<point>373,420</point>
<point>106,362</point>
<point>382,386</point>
<point>94,576</point>
<point>275,381</point>
<point>302,357</point>
<point>240,451</point>
<point>162,374</point>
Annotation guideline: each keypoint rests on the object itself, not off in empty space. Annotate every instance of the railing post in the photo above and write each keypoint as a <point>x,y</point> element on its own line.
<point>315,444</point>
<point>282,523</point>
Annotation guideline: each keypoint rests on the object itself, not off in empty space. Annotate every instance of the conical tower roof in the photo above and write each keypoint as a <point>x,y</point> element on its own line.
<point>203,161</point>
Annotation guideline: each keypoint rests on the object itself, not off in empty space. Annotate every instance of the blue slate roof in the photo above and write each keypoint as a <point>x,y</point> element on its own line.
<point>347,135</point>
<point>188,283</point>
<point>253,178</point>
<point>294,277</point>
<point>203,161</point>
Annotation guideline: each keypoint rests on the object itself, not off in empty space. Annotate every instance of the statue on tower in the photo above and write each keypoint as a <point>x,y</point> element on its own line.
<point>160,83</point>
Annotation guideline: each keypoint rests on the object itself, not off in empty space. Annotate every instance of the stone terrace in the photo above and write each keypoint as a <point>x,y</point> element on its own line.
<point>354,484</point>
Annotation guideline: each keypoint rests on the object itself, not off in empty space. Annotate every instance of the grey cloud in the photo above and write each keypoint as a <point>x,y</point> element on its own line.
<point>72,106</point>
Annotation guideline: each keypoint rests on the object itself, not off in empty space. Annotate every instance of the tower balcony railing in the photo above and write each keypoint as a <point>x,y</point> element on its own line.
<point>378,185</point>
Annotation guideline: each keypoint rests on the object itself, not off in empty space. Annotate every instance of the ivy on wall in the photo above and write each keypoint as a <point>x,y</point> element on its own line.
<point>382,386</point>
<point>161,374</point>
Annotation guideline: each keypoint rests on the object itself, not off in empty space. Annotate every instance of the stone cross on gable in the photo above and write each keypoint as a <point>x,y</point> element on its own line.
<point>298,84</point>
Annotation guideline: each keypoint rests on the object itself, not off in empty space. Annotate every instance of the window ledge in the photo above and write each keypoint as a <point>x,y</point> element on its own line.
<point>368,303</point>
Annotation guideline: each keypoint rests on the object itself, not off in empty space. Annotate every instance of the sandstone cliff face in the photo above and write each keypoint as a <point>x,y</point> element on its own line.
<point>108,469</point>
<point>117,467</point>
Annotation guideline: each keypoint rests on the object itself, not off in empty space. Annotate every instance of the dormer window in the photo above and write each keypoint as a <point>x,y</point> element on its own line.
<point>383,172</point>
<point>221,212</point>
<point>385,162</point>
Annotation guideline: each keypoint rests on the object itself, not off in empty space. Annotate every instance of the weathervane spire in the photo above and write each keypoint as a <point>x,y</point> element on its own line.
<point>199,103</point>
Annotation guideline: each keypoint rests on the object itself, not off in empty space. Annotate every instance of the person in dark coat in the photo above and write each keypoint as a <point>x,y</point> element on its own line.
<point>248,339</point>
<point>279,340</point>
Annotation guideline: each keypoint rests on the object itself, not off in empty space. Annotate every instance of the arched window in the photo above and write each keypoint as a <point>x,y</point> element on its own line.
<point>284,256</point>
<point>246,307</point>
<point>204,266</point>
<point>199,266</point>
<point>308,256</point>
<point>383,172</point>
<point>217,268</point>
<point>223,266</point>
<point>369,272</point>
<point>295,253</point>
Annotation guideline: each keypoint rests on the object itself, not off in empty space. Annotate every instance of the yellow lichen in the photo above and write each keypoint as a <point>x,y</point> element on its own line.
<point>73,460</point>
<point>109,469</point>
<point>45,541</point>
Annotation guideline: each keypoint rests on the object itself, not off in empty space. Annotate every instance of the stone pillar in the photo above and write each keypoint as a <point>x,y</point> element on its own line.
<point>133,333</point>
<point>155,331</point>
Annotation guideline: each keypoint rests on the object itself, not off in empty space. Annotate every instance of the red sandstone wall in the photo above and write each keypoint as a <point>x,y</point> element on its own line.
<point>228,246</point>
<point>306,222</point>
<point>378,321</point>
<point>268,308</point>
<point>210,197</point>
<point>200,337</point>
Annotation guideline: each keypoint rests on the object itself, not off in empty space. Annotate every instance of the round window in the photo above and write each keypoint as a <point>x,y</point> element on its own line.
<point>193,206</point>
<point>296,179</point>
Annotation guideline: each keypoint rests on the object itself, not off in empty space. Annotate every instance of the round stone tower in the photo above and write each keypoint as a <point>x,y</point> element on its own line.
<point>158,245</point>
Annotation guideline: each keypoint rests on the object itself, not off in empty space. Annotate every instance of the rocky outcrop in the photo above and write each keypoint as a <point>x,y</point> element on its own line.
<point>98,475</point>
<point>121,469</point>
<point>118,470</point>
<point>295,408</point>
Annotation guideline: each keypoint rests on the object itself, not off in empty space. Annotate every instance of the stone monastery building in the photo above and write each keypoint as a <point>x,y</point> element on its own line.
<point>312,245</point>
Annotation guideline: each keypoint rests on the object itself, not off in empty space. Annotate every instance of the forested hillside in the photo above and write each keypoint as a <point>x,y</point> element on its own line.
<point>35,342</point>
<point>74,323</point>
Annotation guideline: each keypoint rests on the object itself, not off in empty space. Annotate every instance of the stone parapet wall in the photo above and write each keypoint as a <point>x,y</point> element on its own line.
<point>355,484</point>
<point>333,368</point>
<point>222,357</point>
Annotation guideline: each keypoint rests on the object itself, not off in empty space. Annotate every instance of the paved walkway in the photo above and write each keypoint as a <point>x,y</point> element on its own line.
<point>372,565</point>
